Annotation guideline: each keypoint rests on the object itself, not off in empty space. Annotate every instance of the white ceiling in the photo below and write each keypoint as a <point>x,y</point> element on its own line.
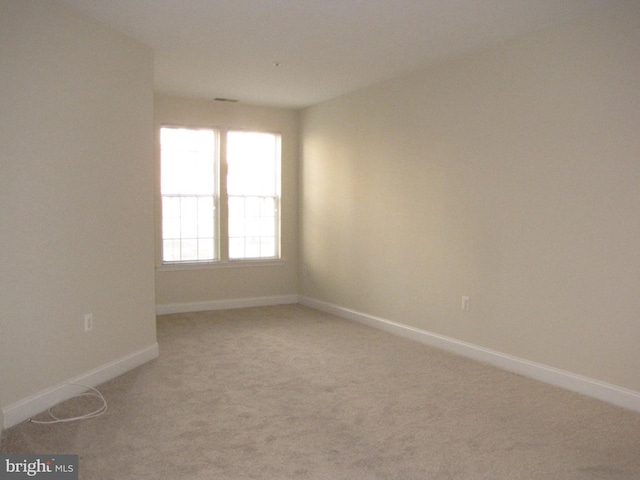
<point>324,48</point>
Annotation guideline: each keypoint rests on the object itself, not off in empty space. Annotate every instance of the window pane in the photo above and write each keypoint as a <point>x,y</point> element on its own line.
<point>186,161</point>
<point>171,250</point>
<point>252,226</point>
<point>268,206</point>
<point>267,227</point>
<point>188,217</point>
<point>206,228</point>
<point>189,249</point>
<point>171,207</point>
<point>206,213</point>
<point>236,248</point>
<point>252,247</point>
<point>253,163</point>
<point>171,217</point>
<point>236,227</point>
<point>171,228</point>
<point>206,248</point>
<point>268,246</point>
<point>252,207</point>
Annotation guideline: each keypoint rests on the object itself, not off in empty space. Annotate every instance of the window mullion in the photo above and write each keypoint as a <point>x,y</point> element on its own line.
<point>223,216</point>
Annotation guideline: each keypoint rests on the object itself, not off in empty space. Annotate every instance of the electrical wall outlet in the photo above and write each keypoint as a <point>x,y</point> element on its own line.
<point>88,322</point>
<point>465,303</point>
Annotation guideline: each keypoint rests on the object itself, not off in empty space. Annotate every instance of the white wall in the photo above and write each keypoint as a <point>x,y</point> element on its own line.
<point>510,175</point>
<point>76,198</point>
<point>207,287</point>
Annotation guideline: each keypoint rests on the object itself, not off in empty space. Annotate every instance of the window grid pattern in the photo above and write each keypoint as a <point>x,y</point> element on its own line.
<point>253,227</point>
<point>188,226</point>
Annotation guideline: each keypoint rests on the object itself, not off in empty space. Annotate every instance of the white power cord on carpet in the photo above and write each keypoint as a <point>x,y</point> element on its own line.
<point>94,393</point>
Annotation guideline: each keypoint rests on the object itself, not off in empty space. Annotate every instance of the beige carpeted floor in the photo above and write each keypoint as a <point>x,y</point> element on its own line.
<point>288,392</point>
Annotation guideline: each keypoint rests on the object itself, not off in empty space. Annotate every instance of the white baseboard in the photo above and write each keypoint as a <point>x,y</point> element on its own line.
<point>225,304</point>
<point>606,392</point>
<point>41,401</point>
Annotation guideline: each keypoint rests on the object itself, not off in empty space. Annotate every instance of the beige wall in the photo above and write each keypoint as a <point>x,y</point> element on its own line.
<point>76,196</point>
<point>511,175</point>
<point>183,286</point>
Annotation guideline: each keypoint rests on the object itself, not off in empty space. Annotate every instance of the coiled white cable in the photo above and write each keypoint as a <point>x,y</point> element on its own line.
<point>96,413</point>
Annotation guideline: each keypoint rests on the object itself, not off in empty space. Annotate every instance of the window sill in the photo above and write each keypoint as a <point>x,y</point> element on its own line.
<point>169,267</point>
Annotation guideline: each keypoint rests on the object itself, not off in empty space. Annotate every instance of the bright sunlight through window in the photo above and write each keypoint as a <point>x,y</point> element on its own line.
<point>189,195</point>
<point>253,190</point>
<point>192,196</point>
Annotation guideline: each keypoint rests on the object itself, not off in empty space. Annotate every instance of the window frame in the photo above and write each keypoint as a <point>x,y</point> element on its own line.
<point>216,198</point>
<point>222,224</point>
<point>277,198</point>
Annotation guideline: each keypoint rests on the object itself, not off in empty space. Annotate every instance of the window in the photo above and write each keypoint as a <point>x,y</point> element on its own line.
<point>253,189</point>
<point>192,196</point>
<point>189,187</point>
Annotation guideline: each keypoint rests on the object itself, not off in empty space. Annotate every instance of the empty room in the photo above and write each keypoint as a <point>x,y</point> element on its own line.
<point>320,240</point>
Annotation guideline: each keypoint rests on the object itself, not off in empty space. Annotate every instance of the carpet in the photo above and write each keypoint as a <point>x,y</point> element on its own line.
<point>288,392</point>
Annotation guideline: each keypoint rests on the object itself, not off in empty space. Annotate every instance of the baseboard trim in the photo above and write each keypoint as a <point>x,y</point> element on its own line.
<point>606,392</point>
<point>24,409</point>
<point>225,304</point>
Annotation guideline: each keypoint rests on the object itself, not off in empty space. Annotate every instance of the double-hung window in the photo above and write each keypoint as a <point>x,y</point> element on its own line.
<point>189,187</point>
<point>253,193</point>
<point>193,194</point>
